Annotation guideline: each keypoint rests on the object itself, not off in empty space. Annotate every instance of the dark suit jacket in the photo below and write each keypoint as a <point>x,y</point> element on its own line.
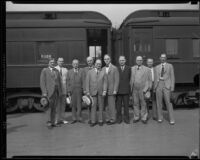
<point>48,80</point>
<point>75,82</point>
<point>96,83</point>
<point>124,80</point>
<point>113,79</point>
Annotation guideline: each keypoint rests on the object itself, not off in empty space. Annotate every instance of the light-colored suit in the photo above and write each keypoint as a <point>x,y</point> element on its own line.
<point>163,87</point>
<point>96,84</point>
<point>62,99</point>
<point>75,88</point>
<point>113,83</point>
<point>140,82</point>
<point>50,84</point>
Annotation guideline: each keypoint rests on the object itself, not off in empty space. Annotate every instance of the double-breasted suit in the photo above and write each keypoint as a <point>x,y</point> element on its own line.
<point>75,80</point>
<point>123,93</point>
<point>50,84</point>
<point>163,86</point>
<point>140,83</point>
<point>96,84</point>
<point>62,99</point>
<point>113,83</point>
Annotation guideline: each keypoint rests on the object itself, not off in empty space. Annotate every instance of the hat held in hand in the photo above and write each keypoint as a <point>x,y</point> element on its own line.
<point>88,100</point>
<point>44,101</point>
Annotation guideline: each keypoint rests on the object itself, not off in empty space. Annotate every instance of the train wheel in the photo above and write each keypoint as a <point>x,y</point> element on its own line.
<point>11,105</point>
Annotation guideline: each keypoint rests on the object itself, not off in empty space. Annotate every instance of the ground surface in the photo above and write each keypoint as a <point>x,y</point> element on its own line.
<point>27,134</point>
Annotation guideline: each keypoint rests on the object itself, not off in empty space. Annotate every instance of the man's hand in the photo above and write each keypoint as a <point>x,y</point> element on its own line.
<point>45,95</point>
<point>114,92</point>
<point>104,93</point>
<point>88,94</point>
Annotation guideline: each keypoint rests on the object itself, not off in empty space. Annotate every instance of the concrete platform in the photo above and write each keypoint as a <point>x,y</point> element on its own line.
<point>27,134</point>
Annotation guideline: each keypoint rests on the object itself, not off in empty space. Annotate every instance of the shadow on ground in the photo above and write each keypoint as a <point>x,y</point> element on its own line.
<point>15,129</point>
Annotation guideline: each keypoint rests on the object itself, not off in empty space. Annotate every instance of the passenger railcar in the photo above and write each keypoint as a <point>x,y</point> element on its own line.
<point>151,32</point>
<point>33,37</point>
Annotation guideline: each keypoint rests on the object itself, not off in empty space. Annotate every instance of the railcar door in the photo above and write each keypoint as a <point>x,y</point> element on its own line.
<point>97,43</point>
<point>141,43</point>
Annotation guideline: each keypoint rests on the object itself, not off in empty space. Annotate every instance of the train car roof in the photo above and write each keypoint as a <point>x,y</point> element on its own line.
<point>56,19</point>
<point>162,17</point>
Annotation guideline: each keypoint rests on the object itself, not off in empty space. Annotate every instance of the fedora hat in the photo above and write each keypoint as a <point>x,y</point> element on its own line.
<point>88,100</point>
<point>68,99</point>
<point>44,101</point>
<point>147,95</point>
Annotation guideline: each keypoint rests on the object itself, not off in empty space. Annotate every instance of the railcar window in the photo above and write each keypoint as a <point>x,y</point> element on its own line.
<point>196,47</point>
<point>171,46</point>
<point>95,51</point>
<point>45,51</point>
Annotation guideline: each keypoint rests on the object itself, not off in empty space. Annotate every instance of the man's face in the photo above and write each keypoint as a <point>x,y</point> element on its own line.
<point>139,61</point>
<point>163,58</point>
<point>60,62</point>
<point>150,63</point>
<point>98,64</point>
<point>90,61</point>
<point>122,61</point>
<point>75,64</point>
<point>51,63</point>
<point>107,60</point>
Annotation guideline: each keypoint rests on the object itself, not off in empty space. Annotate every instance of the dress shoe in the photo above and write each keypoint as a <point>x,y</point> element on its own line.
<point>119,122</point>
<point>80,121</point>
<point>100,123</point>
<point>172,122</point>
<point>154,118</point>
<point>62,122</point>
<point>160,121</point>
<point>92,124</point>
<point>144,121</point>
<point>110,123</point>
<point>74,121</point>
<point>136,120</point>
<point>55,125</point>
<point>89,122</point>
<point>127,122</point>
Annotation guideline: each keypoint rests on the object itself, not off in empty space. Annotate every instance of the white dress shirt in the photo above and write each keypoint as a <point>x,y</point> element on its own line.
<point>107,68</point>
<point>152,73</point>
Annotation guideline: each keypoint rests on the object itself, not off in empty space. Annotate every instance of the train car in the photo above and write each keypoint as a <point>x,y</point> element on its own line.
<point>175,32</point>
<point>33,37</point>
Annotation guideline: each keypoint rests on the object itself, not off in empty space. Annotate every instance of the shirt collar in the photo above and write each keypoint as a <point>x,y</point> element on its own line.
<point>76,69</point>
<point>109,65</point>
<point>163,63</point>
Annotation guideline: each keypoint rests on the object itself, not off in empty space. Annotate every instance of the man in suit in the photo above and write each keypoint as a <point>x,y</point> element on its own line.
<point>123,90</point>
<point>164,85</point>
<point>96,86</point>
<point>89,67</point>
<point>113,83</point>
<point>153,94</point>
<point>50,84</point>
<point>75,80</point>
<point>140,83</point>
<point>62,99</point>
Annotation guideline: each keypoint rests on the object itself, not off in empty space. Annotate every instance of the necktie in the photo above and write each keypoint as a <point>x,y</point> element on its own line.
<point>97,72</point>
<point>61,71</point>
<point>122,68</point>
<point>138,67</point>
<point>162,70</point>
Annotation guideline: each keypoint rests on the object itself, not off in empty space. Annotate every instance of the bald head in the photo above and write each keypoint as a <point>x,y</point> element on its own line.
<point>60,61</point>
<point>163,58</point>
<point>75,63</point>
<point>150,62</point>
<point>139,60</point>
<point>98,64</point>
<point>90,61</point>
<point>107,59</point>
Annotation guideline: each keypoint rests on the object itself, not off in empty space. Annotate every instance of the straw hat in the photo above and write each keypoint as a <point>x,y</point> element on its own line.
<point>88,100</point>
<point>68,99</point>
<point>147,95</point>
<point>44,101</point>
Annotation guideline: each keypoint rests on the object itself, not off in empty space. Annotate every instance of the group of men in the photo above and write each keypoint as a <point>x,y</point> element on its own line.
<point>110,88</point>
